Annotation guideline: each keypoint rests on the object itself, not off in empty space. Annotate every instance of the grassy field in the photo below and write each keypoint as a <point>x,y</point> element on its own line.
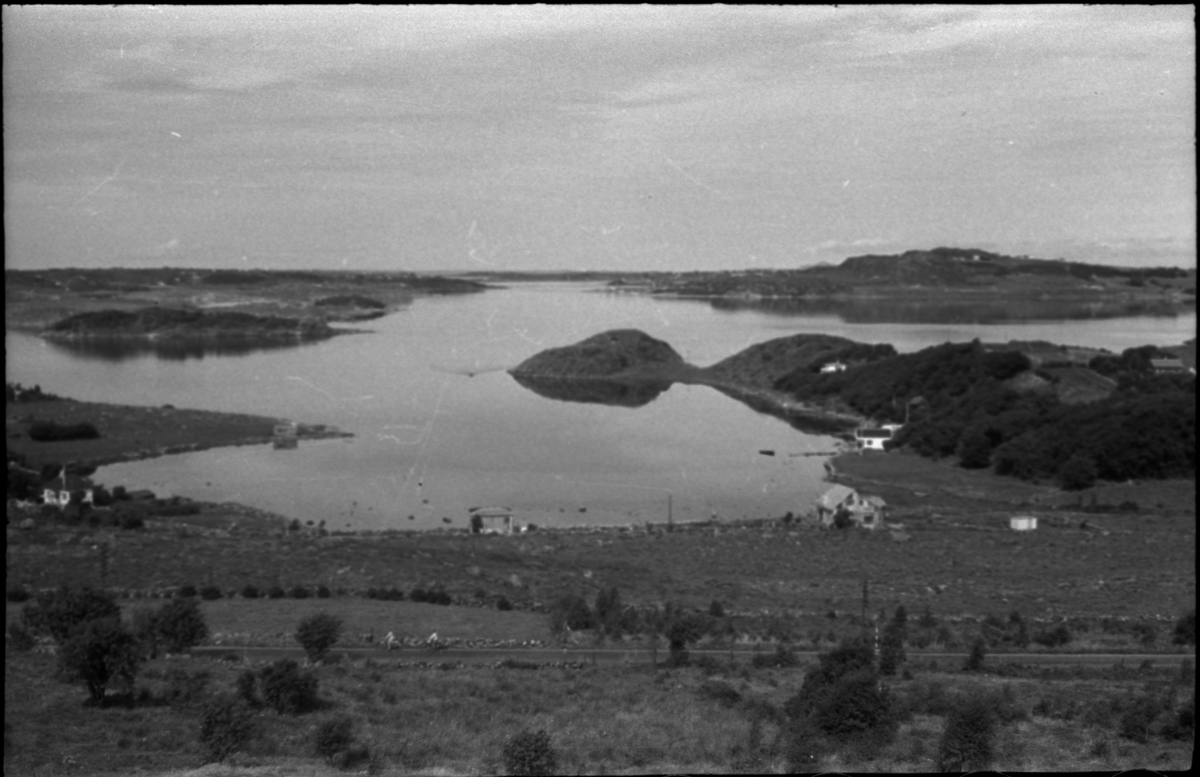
<point>622,719</point>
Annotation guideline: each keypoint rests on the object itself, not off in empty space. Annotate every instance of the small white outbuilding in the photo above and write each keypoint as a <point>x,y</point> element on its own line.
<point>1022,522</point>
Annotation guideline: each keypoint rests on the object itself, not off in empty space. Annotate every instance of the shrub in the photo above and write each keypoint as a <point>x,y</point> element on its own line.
<point>249,592</point>
<point>1185,629</point>
<point>286,689</point>
<point>1077,473</point>
<point>530,753</point>
<point>247,688</point>
<point>854,705</point>
<point>503,603</point>
<point>721,692</point>
<point>275,592</point>
<point>317,634</point>
<point>184,687</point>
<point>974,661</point>
<point>1059,635</point>
<point>210,592</point>
<point>1138,720</point>
<point>19,638</point>
<point>49,431</point>
<point>179,625</point>
<point>781,658</point>
<point>298,592</point>
<point>98,653</point>
<point>333,737</point>
<point>967,741</point>
<point>226,724</point>
<point>16,594</point>
<point>322,592</point>
<point>186,591</point>
<point>60,612</point>
<point>804,747</point>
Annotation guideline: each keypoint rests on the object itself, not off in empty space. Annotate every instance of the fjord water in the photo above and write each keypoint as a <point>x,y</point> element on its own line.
<point>440,426</point>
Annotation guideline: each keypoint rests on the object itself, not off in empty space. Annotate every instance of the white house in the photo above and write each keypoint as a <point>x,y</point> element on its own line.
<point>833,367</point>
<point>864,511</point>
<point>1022,522</point>
<point>491,520</point>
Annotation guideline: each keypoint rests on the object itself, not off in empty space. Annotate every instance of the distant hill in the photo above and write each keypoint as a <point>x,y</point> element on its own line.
<point>620,354</point>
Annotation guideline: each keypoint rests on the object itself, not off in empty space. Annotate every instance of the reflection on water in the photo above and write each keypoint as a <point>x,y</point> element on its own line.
<point>122,349</point>
<point>603,392</point>
<point>887,311</point>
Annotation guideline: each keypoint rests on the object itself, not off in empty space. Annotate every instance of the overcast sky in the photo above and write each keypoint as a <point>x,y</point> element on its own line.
<point>595,137</point>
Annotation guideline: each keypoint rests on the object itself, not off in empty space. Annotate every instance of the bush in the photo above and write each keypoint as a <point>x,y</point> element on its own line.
<point>298,592</point>
<point>1185,629</point>
<point>186,591</point>
<point>247,688</point>
<point>853,706</point>
<point>16,594</point>
<point>1137,721</point>
<point>333,737</point>
<point>98,653</point>
<point>19,638</point>
<point>974,661</point>
<point>1077,473</point>
<point>60,612</point>
<point>804,747</point>
<point>530,753</point>
<point>184,687</point>
<point>49,431</point>
<point>1059,635</point>
<point>286,689</point>
<point>781,658</point>
<point>322,592</point>
<point>317,634</point>
<point>967,741</point>
<point>226,724</point>
<point>503,604</point>
<point>249,592</point>
<point>210,592</point>
<point>275,592</point>
<point>179,625</point>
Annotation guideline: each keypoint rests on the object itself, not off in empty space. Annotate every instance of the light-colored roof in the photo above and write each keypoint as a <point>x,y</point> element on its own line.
<point>491,512</point>
<point>835,496</point>
<point>1166,363</point>
<point>885,434</point>
<point>875,501</point>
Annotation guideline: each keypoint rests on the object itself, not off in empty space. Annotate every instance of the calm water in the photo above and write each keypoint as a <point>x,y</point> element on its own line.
<point>440,427</point>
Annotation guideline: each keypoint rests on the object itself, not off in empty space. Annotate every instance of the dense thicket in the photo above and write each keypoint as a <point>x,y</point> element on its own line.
<point>958,403</point>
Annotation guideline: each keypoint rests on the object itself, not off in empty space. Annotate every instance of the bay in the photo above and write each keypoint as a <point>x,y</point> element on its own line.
<point>440,426</point>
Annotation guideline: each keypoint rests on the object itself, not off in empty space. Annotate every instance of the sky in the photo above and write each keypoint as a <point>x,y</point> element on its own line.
<point>595,137</point>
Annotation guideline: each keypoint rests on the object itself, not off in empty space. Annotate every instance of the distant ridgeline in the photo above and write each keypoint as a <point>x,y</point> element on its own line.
<point>988,406</point>
<point>939,268</point>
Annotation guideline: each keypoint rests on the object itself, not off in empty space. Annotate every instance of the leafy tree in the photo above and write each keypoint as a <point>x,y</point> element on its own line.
<point>682,630</point>
<point>570,612</point>
<point>98,653</point>
<point>287,689</point>
<point>975,659</point>
<point>846,659</point>
<point>608,611</point>
<point>1077,473</point>
<point>60,612</point>
<point>317,634</point>
<point>854,705</point>
<point>226,725</point>
<point>967,741</point>
<point>179,625</point>
<point>974,449</point>
<point>530,753</point>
